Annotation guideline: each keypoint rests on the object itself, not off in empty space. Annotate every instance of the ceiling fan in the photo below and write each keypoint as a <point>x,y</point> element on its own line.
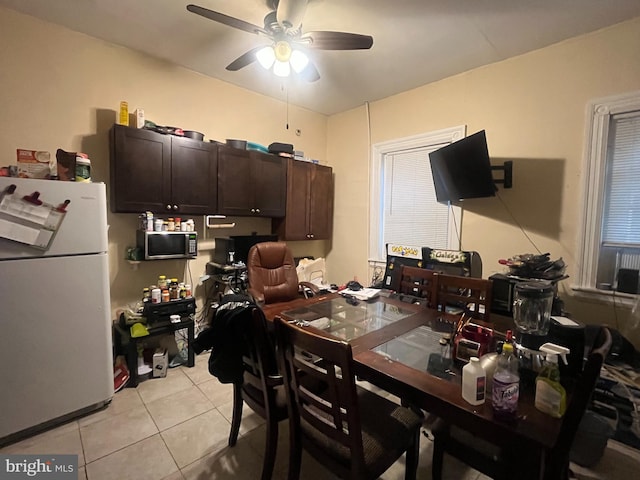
<point>283,26</point>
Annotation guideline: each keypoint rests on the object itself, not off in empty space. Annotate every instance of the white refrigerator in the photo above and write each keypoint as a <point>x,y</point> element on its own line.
<point>55,327</point>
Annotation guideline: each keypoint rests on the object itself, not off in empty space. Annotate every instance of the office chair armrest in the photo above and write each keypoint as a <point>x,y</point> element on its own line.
<point>258,297</point>
<point>311,286</point>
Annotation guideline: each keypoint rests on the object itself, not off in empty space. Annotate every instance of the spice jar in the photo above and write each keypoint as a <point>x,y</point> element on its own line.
<point>156,295</point>
<point>171,224</point>
<point>165,295</point>
<point>174,293</point>
<point>162,282</point>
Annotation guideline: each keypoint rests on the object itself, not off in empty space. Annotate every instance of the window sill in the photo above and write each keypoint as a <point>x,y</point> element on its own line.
<point>609,297</point>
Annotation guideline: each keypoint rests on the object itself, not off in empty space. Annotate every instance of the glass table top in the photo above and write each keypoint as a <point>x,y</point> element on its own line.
<point>421,349</point>
<point>346,321</point>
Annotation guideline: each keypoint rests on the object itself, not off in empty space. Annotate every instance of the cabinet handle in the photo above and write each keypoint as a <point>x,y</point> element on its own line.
<point>311,235</point>
<point>257,210</point>
<point>253,210</point>
<point>175,207</point>
<point>168,207</point>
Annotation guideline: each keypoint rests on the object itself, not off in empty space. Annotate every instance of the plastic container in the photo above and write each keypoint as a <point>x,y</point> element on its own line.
<point>473,382</point>
<point>83,168</point>
<point>156,295</point>
<point>506,385</point>
<point>123,117</point>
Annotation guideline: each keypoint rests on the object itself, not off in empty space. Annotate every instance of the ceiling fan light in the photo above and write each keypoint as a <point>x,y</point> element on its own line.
<point>282,49</point>
<point>266,56</point>
<point>298,61</point>
<point>281,68</point>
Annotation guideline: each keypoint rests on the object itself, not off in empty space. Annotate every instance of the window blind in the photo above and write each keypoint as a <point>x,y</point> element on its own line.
<point>412,215</point>
<point>621,222</point>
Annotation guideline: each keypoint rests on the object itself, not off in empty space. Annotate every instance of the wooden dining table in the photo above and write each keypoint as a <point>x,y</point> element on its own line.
<point>396,346</point>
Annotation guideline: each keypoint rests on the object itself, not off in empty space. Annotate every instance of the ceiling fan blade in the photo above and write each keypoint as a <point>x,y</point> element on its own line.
<point>244,59</point>
<point>337,41</point>
<point>290,13</point>
<point>226,19</point>
<point>310,73</point>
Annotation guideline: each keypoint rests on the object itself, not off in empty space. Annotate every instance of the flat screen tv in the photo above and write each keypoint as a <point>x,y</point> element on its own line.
<point>462,170</point>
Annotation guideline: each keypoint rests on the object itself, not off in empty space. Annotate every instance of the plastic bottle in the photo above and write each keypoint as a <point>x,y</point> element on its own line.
<point>174,293</point>
<point>506,385</point>
<point>551,397</point>
<point>156,295</point>
<point>473,382</point>
<point>162,282</point>
<point>123,118</point>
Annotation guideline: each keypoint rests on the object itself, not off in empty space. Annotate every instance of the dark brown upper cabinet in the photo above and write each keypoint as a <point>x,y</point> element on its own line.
<point>309,213</point>
<point>162,173</point>
<point>251,183</point>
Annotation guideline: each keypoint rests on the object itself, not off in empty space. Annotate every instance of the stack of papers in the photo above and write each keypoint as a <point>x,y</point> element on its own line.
<point>363,294</point>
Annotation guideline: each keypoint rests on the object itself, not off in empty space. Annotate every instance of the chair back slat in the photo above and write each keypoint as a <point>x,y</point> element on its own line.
<point>469,294</point>
<point>418,282</point>
<point>328,362</point>
<point>581,397</point>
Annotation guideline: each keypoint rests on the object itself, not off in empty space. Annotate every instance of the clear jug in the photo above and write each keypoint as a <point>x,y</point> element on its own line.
<point>532,307</point>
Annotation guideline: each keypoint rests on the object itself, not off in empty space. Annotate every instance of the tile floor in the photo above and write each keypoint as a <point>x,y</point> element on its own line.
<point>176,428</point>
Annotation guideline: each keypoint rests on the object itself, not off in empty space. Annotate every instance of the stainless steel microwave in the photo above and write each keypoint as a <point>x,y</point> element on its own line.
<point>165,245</point>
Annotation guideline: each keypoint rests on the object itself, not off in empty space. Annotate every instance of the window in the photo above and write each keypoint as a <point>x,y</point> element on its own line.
<point>610,240</point>
<point>404,206</point>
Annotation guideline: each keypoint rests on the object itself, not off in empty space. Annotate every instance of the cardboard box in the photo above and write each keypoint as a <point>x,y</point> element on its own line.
<point>33,163</point>
<point>160,363</point>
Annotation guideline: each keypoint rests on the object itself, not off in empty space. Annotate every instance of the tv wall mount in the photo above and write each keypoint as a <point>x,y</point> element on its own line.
<point>507,178</point>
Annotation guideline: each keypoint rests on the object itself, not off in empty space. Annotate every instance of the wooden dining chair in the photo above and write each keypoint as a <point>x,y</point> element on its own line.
<point>501,462</point>
<point>262,388</point>
<point>419,284</point>
<point>353,432</point>
<point>468,294</point>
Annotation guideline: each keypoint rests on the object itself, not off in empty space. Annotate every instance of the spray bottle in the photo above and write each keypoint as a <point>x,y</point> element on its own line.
<point>551,397</point>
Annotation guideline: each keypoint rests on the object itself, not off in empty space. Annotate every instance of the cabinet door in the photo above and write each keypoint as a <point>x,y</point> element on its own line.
<point>295,224</point>
<point>321,203</point>
<point>309,212</point>
<point>236,195</point>
<point>194,177</point>
<point>270,184</point>
<point>140,170</point>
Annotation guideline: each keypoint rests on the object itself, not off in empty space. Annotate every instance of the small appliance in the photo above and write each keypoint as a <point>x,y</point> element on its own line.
<point>532,308</point>
<point>167,245</point>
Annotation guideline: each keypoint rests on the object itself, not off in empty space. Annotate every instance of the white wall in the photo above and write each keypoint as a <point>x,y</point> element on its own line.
<point>533,110</point>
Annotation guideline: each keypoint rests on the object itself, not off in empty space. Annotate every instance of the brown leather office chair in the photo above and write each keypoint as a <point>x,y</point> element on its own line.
<point>262,388</point>
<point>419,283</point>
<point>351,431</point>
<point>469,294</point>
<point>503,463</point>
<point>272,275</point>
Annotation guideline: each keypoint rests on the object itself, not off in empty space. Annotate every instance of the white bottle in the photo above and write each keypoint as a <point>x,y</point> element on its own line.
<point>473,382</point>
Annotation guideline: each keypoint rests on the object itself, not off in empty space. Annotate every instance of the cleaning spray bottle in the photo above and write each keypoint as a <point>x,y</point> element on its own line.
<point>551,397</point>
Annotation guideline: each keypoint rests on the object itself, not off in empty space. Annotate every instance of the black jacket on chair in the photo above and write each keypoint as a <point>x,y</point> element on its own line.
<point>225,338</point>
